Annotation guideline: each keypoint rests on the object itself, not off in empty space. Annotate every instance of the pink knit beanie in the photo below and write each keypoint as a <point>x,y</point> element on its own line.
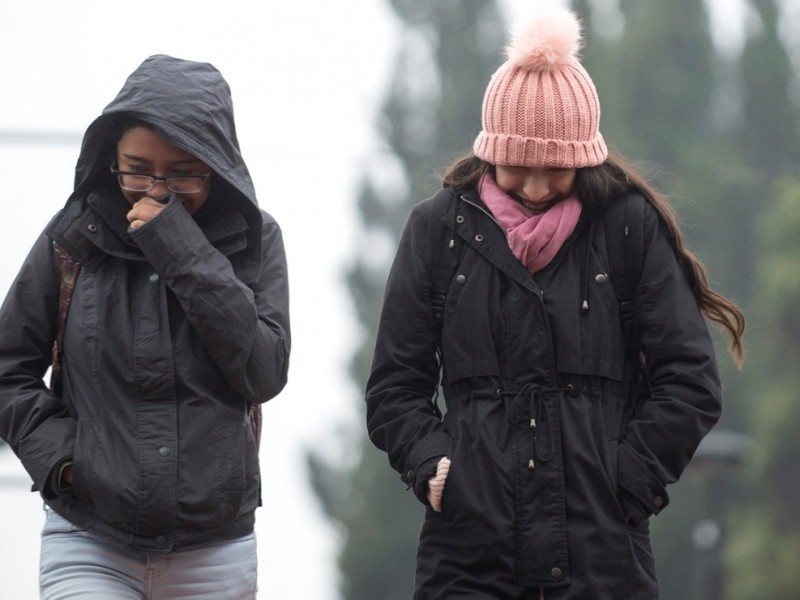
<point>541,107</point>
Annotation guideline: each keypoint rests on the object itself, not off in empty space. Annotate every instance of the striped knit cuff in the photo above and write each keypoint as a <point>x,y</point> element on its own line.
<point>436,484</point>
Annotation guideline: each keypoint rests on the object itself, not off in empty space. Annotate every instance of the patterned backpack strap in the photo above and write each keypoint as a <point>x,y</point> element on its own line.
<point>66,271</point>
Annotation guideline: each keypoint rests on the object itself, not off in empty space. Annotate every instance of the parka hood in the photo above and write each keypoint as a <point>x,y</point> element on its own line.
<point>188,104</point>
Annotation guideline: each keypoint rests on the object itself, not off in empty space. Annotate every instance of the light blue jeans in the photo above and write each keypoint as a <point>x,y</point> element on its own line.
<point>76,565</point>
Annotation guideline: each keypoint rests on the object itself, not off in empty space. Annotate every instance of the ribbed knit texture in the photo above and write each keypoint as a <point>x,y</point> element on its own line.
<point>436,484</point>
<point>545,115</point>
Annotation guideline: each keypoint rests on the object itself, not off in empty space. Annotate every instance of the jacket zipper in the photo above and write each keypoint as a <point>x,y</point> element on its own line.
<point>487,213</point>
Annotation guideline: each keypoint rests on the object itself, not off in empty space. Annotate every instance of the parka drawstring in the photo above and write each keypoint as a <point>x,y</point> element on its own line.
<point>538,418</point>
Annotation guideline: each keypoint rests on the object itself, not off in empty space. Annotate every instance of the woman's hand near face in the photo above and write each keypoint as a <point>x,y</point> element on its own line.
<point>143,211</point>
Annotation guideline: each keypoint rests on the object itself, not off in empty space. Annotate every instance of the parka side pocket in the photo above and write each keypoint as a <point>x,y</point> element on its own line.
<point>84,478</point>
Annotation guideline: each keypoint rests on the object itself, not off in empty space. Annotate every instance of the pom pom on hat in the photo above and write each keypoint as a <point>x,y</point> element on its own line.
<point>554,38</point>
<point>541,107</point>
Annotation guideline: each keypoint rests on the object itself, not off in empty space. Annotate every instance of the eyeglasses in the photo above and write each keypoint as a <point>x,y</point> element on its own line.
<point>179,184</point>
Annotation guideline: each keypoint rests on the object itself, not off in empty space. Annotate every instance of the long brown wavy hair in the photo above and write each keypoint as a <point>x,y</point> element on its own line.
<point>598,186</point>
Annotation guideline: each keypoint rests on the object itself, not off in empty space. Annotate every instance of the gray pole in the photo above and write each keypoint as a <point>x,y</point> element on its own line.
<point>718,458</point>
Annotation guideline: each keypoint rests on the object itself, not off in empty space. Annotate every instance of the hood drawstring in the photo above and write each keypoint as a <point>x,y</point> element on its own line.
<point>451,244</point>
<point>585,275</point>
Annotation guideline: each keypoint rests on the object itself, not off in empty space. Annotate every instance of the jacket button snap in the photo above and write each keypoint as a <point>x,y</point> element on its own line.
<point>461,279</point>
<point>556,573</point>
<point>163,451</point>
<point>91,227</point>
<point>154,278</point>
<point>600,278</point>
<point>459,219</point>
<point>658,502</point>
<point>479,237</point>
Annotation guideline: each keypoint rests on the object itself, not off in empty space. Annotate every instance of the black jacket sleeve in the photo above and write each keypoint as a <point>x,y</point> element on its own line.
<point>245,329</point>
<point>685,391</point>
<point>401,418</point>
<point>34,422</point>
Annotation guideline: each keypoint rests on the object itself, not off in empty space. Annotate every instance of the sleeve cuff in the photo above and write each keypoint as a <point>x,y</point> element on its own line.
<point>57,484</point>
<point>425,473</point>
<point>639,485</point>
<point>434,446</point>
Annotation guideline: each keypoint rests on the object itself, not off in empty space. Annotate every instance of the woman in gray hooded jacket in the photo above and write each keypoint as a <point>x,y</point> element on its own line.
<point>177,328</point>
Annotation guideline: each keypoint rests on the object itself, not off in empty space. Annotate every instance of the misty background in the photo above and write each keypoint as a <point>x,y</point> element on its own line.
<point>345,114</point>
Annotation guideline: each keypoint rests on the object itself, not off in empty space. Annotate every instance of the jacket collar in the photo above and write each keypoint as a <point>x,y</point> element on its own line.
<point>99,228</point>
<point>472,222</point>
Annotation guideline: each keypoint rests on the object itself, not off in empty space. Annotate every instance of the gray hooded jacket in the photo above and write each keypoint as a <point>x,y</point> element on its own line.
<point>172,330</point>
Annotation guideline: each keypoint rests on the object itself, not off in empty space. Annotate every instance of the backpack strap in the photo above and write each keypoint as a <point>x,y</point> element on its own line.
<point>623,220</point>
<point>443,250</point>
<point>66,270</point>
<point>443,256</point>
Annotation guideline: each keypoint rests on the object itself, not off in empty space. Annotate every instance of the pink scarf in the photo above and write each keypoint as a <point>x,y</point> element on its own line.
<point>534,238</point>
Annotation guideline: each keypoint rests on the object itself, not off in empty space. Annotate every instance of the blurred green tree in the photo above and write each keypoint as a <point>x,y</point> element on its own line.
<point>765,546</point>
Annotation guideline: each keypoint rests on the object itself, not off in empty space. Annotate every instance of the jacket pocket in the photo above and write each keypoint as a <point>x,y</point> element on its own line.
<point>449,492</point>
<point>102,480</point>
<point>230,476</point>
<point>86,453</point>
<point>477,488</point>
<point>471,351</point>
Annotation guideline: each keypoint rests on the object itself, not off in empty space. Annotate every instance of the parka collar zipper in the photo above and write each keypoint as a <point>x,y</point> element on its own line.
<point>485,211</point>
<point>584,300</point>
<point>508,264</point>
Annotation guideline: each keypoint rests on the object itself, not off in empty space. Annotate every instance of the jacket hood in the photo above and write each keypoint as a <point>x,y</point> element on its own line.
<point>188,104</point>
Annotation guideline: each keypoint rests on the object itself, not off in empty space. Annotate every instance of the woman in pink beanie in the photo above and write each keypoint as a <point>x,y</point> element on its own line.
<point>549,286</point>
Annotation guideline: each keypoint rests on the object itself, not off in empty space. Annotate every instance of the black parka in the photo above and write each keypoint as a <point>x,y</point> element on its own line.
<point>556,461</point>
<point>172,330</point>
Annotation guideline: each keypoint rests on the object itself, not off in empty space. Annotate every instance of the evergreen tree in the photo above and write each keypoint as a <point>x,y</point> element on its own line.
<point>663,77</point>
<point>769,124</point>
<point>447,51</point>
<point>766,544</point>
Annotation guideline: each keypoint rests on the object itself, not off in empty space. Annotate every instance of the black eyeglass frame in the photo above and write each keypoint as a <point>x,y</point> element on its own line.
<point>156,178</point>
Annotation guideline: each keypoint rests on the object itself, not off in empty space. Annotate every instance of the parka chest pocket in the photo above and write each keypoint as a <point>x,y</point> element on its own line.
<point>471,324</point>
<point>584,315</point>
<point>115,309</point>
